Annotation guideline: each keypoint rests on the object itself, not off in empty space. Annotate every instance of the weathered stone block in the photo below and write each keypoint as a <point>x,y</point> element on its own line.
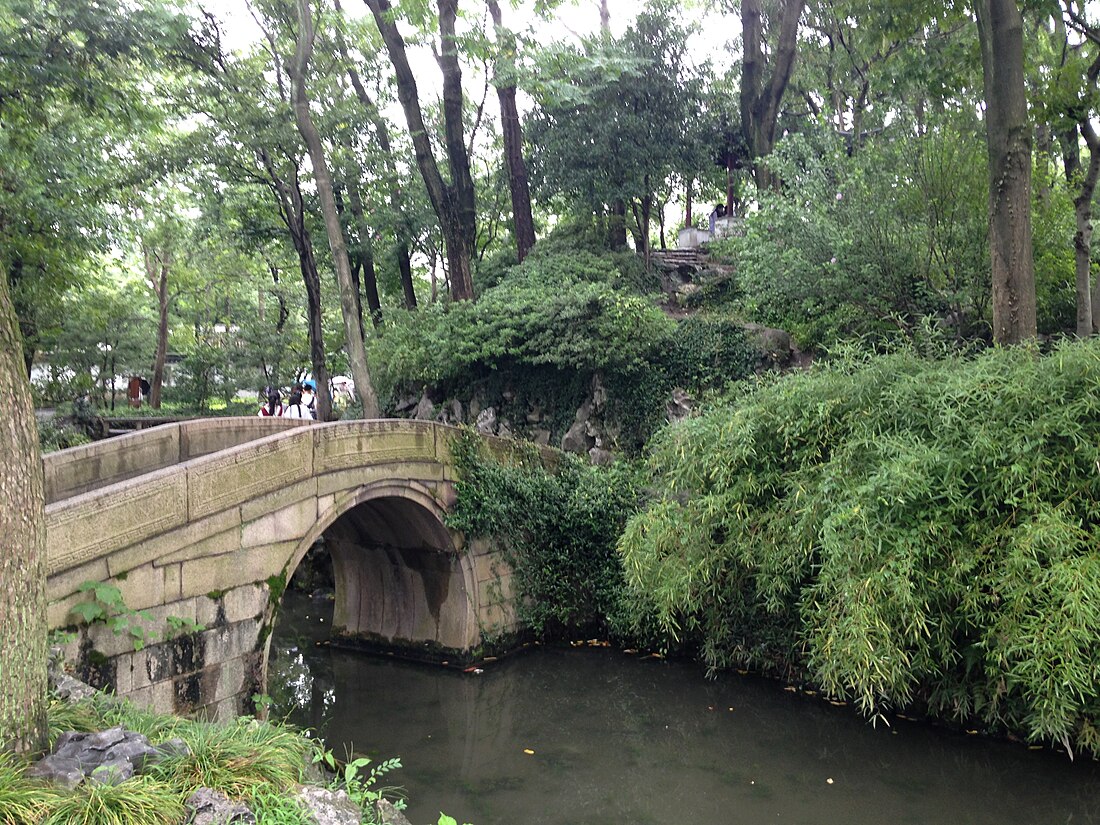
<point>247,602</point>
<point>173,582</point>
<point>158,697</point>
<point>351,479</point>
<point>112,644</point>
<point>208,611</point>
<point>141,587</point>
<point>251,566</point>
<point>69,473</point>
<point>227,709</point>
<point>124,672</point>
<point>210,435</point>
<point>305,490</point>
<point>230,681</point>
<point>291,522</point>
<point>66,583</point>
<point>210,544</point>
<point>196,538</point>
<point>372,442</point>
<point>223,644</point>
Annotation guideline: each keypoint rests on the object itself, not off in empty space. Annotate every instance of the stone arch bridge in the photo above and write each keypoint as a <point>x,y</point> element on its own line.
<point>205,521</point>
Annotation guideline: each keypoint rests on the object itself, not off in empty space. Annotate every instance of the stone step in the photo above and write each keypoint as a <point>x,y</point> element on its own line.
<point>678,257</point>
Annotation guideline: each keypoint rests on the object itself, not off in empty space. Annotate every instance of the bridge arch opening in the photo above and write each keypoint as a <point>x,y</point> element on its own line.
<point>400,584</point>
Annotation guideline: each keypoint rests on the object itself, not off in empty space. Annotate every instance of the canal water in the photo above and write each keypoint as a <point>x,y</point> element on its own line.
<point>594,736</point>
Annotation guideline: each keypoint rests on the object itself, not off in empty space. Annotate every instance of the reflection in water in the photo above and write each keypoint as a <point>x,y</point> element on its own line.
<point>620,739</point>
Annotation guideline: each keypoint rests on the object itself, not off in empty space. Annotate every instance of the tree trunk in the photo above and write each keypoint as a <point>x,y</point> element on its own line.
<point>157,277</point>
<point>357,355</point>
<point>292,210</point>
<point>307,264</point>
<point>522,218</point>
<point>23,561</point>
<point>1008,138</point>
<point>1088,296</point>
<point>450,205</point>
<point>462,182</point>
<point>617,226</point>
<point>761,96</point>
<point>365,251</point>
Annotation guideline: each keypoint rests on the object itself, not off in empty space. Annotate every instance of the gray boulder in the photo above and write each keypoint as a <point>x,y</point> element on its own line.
<point>113,772</point>
<point>58,770</point>
<point>487,421</point>
<point>329,807</point>
<point>211,807</point>
<point>389,815</point>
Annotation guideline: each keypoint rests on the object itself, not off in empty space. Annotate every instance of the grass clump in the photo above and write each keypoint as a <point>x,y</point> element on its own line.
<point>259,763</point>
<point>897,530</point>
<point>140,800</point>
<point>236,758</point>
<point>22,801</point>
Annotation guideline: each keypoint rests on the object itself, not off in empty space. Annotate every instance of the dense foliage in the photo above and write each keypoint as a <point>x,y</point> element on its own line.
<point>895,530</point>
<point>556,528</point>
<point>540,332</point>
<point>867,243</point>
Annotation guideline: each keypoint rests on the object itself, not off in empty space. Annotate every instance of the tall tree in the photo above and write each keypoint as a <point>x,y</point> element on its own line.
<point>349,301</point>
<point>600,134</point>
<point>23,561</point>
<point>69,76</point>
<point>396,197</point>
<point>1079,106</point>
<point>505,80</point>
<point>454,202</point>
<point>761,91</point>
<point>1008,138</point>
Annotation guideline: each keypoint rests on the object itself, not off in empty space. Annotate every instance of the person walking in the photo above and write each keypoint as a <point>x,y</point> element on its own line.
<point>295,408</point>
<point>273,406</point>
<point>309,397</point>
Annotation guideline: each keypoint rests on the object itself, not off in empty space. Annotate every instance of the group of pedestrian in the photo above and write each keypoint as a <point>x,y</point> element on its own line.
<point>302,402</point>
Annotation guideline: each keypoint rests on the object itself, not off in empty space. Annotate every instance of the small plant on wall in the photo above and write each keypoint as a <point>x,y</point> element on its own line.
<point>107,606</point>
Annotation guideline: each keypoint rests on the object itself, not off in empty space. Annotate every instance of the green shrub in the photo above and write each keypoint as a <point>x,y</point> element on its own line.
<point>896,530</point>
<point>140,800</point>
<point>566,311</point>
<point>558,531</point>
<point>235,758</point>
<point>865,245</point>
<point>56,435</point>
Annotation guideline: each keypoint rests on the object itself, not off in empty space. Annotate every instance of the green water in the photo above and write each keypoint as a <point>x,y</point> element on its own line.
<point>618,738</point>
